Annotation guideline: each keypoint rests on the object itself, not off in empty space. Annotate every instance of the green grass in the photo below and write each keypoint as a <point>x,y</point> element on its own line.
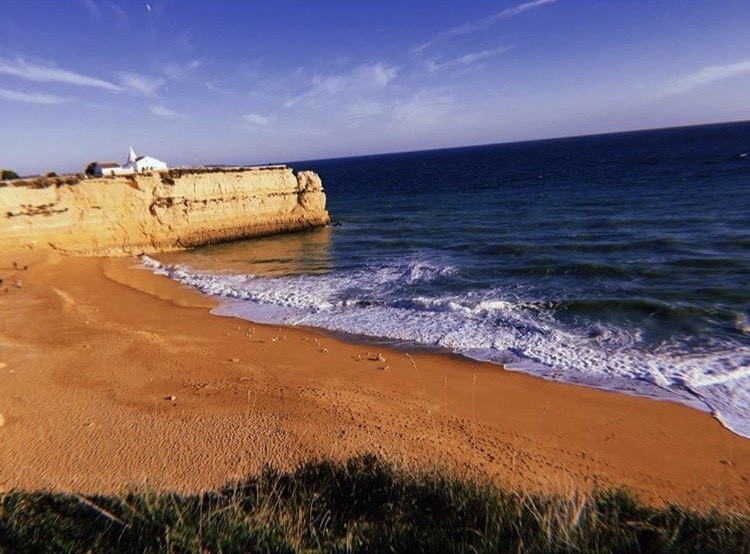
<point>363,505</point>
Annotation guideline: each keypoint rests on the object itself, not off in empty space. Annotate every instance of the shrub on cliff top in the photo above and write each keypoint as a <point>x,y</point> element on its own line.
<point>49,181</point>
<point>7,175</point>
<point>363,505</point>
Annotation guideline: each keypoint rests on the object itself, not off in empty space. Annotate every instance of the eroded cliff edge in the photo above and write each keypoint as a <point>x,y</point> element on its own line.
<point>179,209</point>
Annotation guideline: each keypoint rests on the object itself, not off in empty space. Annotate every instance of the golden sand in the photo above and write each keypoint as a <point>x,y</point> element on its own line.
<point>111,376</point>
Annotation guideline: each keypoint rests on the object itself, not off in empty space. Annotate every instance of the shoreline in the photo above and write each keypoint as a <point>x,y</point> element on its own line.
<point>113,377</point>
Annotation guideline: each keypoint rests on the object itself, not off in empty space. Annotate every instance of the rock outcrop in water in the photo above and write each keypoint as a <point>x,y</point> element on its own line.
<point>159,212</point>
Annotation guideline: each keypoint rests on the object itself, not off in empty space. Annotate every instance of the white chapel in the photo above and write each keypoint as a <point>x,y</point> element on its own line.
<point>143,163</point>
<point>135,164</point>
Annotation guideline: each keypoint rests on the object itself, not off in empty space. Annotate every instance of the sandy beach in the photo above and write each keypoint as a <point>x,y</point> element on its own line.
<point>111,376</point>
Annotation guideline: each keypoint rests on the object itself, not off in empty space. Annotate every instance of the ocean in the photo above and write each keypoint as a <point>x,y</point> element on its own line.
<point>617,261</point>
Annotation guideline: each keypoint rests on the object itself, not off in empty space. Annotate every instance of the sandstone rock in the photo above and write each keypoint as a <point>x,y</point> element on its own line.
<point>109,216</point>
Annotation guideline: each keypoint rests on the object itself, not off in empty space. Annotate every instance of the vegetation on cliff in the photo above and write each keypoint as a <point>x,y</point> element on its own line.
<point>7,175</point>
<point>363,505</point>
<point>50,179</point>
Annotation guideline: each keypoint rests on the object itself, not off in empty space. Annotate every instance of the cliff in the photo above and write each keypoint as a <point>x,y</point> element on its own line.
<point>159,212</point>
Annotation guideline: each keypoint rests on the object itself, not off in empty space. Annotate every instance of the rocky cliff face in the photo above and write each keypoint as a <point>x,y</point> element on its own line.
<point>152,213</point>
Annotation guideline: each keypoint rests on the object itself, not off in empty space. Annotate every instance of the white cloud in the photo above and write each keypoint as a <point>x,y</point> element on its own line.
<point>141,83</point>
<point>99,8</point>
<point>177,70</point>
<point>257,119</point>
<point>50,74</point>
<point>482,23</point>
<point>361,81</point>
<point>31,97</point>
<point>366,108</point>
<point>466,59</point>
<point>706,76</point>
<point>162,111</point>
<point>423,109</point>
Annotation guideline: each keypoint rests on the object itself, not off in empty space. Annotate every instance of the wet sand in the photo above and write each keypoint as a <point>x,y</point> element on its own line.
<point>113,377</point>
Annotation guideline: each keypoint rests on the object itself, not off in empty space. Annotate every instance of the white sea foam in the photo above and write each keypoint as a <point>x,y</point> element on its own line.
<point>388,301</point>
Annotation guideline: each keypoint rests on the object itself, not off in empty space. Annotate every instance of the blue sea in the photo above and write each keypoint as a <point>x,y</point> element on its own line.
<point>617,261</point>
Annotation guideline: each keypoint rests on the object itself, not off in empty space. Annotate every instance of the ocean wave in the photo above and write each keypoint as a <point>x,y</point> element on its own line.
<point>397,300</point>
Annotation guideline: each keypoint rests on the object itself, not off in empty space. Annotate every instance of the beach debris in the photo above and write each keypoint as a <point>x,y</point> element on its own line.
<point>324,350</point>
<point>384,368</point>
<point>377,358</point>
<point>234,360</point>
<point>726,462</point>
<point>171,398</point>
<point>16,283</point>
<point>89,424</point>
<point>274,339</point>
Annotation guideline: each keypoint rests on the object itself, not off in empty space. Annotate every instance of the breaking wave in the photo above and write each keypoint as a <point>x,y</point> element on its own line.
<point>420,301</point>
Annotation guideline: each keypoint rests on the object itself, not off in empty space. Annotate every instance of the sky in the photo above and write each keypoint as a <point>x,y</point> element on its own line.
<point>261,81</point>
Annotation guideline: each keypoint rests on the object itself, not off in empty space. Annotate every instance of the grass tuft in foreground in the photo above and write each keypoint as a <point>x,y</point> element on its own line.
<point>363,505</point>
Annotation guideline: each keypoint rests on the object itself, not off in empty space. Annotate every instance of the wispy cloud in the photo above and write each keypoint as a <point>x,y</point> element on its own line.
<point>177,70</point>
<point>361,81</point>
<point>162,111</point>
<point>43,73</point>
<point>257,119</point>
<point>362,108</point>
<point>466,59</point>
<point>706,76</point>
<point>482,23</point>
<point>119,13</point>
<point>98,8</point>
<point>423,108</point>
<point>141,83</point>
<point>31,97</point>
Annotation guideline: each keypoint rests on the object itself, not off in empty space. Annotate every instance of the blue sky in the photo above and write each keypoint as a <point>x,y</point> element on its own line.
<point>231,81</point>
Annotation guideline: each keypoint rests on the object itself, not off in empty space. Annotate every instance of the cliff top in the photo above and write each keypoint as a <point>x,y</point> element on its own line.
<point>70,179</point>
